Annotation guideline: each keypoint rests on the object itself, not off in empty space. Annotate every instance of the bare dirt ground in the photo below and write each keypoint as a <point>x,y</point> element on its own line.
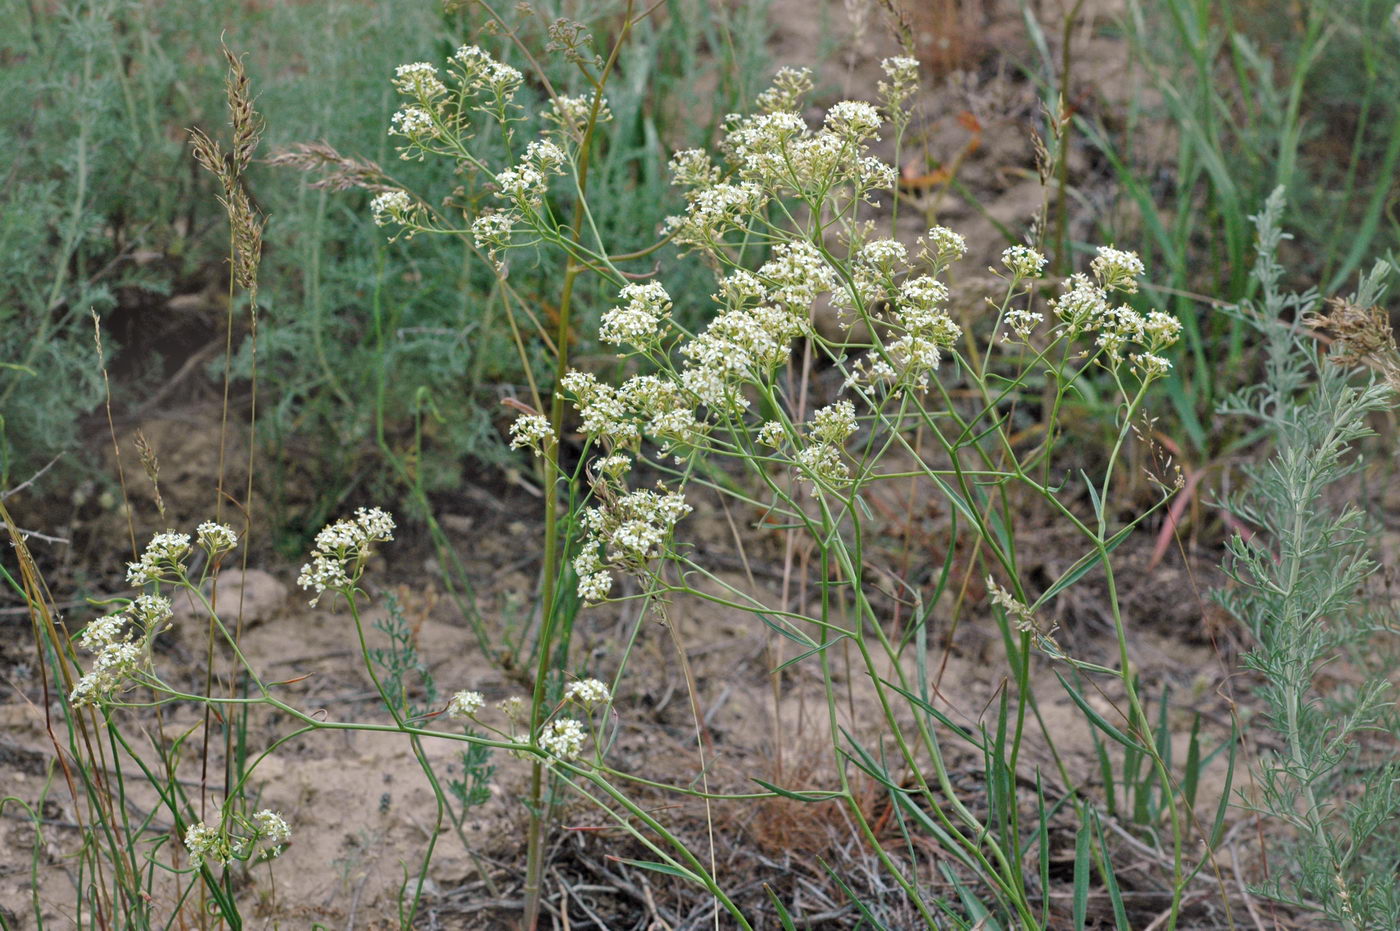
<point>362,812</point>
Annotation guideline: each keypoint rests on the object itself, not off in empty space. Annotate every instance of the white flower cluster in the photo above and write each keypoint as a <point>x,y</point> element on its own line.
<point>614,466</point>
<point>715,210</point>
<point>774,152</point>
<point>415,122</point>
<point>638,321</point>
<point>464,704</point>
<point>914,328</point>
<point>1023,262</point>
<point>119,640</point>
<point>562,737</point>
<point>942,247</point>
<point>618,416</point>
<point>435,109</point>
<point>418,79</point>
<point>830,427</point>
<point>215,538</point>
<point>265,835</point>
<point>588,692</point>
<point>903,74</point>
<point>1085,305</point>
<point>882,255</point>
<point>390,206</point>
<point>523,185</point>
<point>1022,322</point>
<point>530,430</point>
<point>479,71</point>
<point>207,845</point>
<point>772,434</point>
<point>1117,270</point>
<point>822,463</point>
<point>790,85</point>
<point>625,533</point>
<point>161,559</point>
<point>492,231</point>
<point>341,550</point>
<point>526,184</point>
<point>834,423</point>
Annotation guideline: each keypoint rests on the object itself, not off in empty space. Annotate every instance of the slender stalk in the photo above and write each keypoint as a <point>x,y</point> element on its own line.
<point>553,545</point>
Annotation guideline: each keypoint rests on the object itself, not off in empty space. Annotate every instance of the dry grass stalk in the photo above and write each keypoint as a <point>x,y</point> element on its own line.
<point>152,466</point>
<point>339,172</point>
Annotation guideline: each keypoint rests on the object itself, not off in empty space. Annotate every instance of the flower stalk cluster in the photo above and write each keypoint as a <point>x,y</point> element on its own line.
<point>341,551</point>
<point>252,840</point>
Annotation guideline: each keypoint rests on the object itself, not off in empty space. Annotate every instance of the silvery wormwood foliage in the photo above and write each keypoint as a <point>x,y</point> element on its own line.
<point>1299,583</point>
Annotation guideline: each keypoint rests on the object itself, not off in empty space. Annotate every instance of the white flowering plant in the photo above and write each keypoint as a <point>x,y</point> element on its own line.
<point>787,214</point>
<point>832,358</point>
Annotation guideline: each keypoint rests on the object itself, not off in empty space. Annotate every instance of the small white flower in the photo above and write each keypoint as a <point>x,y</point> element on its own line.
<point>1083,304</point>
<point>595,586</point>
<point>523,184</point>
<point>822,462</point>
<point>834,423</point>
<point>376,523</point>
<point>1022,321</point>
<point>875,175</point>
<point>492,230</point>
<point>903,73</point>
<point>693,168</point>
<point>163,556</point>
<point>341,550</point>
<point>102,632</point>
<point>615,465</point>
<point>1023,261</point>
<point>389,206</point>
<point>271,829</point>
<point>206,844</point>
<point>562,737</point>
<point>419,79</point>
<point>946,245</point>
<point>571,114</point>
<point>853,121</point>
<point>588,692</point>
<point>481,71</point>
<point>530,430</point>
<point>216,538</point>
<point>465,704</point>
<point>1117,270</point>
<point>789,86</point>
<point>1151,366</point>
<point>922,293</point>
<point>413,122</point>
<point>151,611</point>
<point>1161,329</point>
<point>772,434</point>
<point>545,157</point>
<point>638,320</point>
<point>883,254</point>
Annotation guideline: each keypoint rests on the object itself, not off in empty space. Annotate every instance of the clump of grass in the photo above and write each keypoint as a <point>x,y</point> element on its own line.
<point>1302,591</point>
